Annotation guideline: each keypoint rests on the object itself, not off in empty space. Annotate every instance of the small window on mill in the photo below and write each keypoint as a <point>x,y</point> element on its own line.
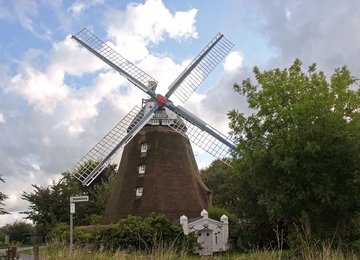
<point>139,191</point>
<point>144,148</point>
<point>141,169</point>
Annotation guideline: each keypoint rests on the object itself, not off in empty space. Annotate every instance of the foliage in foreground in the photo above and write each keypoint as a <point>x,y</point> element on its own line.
<point>49,205</point>
<point>321,251</point>
<point>60,250</point>
<point>132,233</point>
<point>299,150</point>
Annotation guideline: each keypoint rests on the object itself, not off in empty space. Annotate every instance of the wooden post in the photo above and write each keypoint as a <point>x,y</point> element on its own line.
<point>13,253</point>
<point>36,252</point>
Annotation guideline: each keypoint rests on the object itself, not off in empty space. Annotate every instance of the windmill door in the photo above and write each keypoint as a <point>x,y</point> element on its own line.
<point>205,241</point>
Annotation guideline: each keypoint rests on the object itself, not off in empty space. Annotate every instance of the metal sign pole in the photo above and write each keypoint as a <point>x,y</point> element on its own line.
<point>71,231</point>
<point>72,211</point>
<point>73,200</point>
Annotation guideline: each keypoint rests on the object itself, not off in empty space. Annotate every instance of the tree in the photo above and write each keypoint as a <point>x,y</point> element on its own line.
<point>50,205</point>
<point>300,147</point>
<point>235,192</point>
<point>219,179</point>
<point>18,231</point>
<point>2,198</point>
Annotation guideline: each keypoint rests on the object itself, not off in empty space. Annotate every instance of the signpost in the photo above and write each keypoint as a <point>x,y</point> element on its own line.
<point>74,200</point>
<point>79,199</point>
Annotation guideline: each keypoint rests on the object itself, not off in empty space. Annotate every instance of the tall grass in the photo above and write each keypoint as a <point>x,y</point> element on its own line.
<point>305,251</point>
<point>309,247</point>
<point>324,251</point>
<point>59,250</point>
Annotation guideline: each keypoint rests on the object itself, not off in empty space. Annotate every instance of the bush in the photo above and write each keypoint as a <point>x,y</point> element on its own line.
<point>93,219</point>
<point>61,232</point>
<point>244,235</point>
<point>18,231</point>
<point>132,233</point>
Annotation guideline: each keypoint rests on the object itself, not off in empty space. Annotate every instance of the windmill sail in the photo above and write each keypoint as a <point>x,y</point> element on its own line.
<point>100,155</point>
<point>158,171</point>
<point>184,85</point>
<point>196,72</point>
<point>203,135</point>
<point>135,75</point>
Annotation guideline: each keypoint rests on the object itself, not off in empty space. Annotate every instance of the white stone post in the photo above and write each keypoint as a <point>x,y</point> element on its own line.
<point>185,225</point>
<point>225,220</point>
<point>204,214</point>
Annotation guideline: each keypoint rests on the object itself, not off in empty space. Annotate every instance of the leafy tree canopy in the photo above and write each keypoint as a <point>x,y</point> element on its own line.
<point>300,148</point>
<point>18,231</point>
<point>50,205</point>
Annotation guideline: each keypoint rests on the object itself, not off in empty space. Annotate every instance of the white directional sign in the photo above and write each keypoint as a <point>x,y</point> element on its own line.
<point>72,208</point>
<point>79,199</point>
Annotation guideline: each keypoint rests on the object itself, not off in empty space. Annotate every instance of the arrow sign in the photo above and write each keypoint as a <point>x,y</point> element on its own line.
<point>79,199</point>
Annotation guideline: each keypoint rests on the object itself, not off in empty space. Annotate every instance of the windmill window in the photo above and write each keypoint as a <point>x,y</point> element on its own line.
<point>139,191</point>
<point>141,169</point>
<point>144,147</point>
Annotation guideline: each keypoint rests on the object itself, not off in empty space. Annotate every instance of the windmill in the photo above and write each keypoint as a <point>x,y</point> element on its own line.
<point>157,171</point>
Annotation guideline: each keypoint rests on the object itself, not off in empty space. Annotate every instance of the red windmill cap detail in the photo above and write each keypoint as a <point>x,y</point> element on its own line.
<point>161,100</point>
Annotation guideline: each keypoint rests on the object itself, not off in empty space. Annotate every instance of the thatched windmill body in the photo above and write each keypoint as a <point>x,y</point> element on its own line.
<point>157,172</point>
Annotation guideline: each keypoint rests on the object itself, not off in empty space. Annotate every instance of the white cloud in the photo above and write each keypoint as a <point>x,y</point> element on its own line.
<point>183,25</point>
<point>2,118</point>
<point>144,24</point>
<point>76,8</point>
<point>233,61</point>
<point>39,89</point>
<point>322,32</point>
<point>69,57</point>
<point>60,121</point>
<point>50,126</point>
<point>79,6</point>
<point>9,219</point>
<point>163,69</point>
<point>46,90</point>
<point>25,10</point>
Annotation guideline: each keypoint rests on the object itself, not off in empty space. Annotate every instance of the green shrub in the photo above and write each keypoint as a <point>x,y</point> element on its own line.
<point>93,219</point>
<point>18,232</point>
<point>132,233</point>
<point>61,232</point>
<point>237,229</point>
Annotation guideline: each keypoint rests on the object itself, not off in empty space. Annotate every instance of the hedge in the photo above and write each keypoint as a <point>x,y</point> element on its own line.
<point>132,233</point>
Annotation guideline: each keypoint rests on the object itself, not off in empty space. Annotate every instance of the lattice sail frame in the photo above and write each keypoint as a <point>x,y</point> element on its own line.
<point>109,142</point>
<point>214,53</point>
<point>204,140</point>
<point>114,59</point>
<point>184,85</point>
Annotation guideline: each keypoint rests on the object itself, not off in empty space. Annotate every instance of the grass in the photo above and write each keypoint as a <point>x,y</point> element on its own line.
<point>321,251</point>
<point>325,251</point>
<point>61,251</point>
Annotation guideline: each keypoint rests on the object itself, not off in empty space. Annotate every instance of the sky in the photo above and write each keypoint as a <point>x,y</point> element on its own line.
<point>57,100</point>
